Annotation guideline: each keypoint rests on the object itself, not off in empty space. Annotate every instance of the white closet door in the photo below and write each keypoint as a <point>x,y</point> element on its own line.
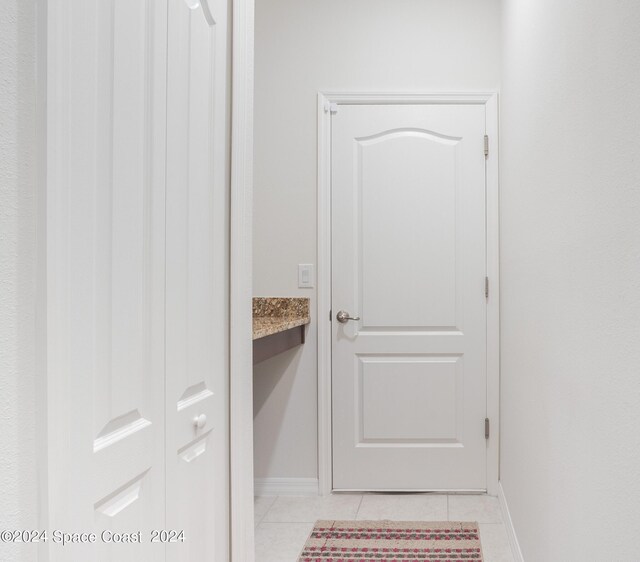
<point>105,274</point>
<point>197,280</point>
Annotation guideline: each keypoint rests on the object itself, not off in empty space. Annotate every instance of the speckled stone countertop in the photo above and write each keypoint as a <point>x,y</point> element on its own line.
<point>277,314</point>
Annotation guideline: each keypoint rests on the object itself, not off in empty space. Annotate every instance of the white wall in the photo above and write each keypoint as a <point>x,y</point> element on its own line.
<point>303,47</point>
<point>17,273</point>
<point>571,277</point>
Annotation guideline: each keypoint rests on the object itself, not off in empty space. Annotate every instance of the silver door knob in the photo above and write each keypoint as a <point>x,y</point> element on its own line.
<point>343,317</point>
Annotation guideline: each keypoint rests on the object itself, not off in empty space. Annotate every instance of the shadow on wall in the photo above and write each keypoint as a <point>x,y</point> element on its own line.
<point>278,371</point>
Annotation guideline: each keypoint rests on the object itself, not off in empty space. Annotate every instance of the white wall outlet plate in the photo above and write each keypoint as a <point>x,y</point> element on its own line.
<point>306,277</point>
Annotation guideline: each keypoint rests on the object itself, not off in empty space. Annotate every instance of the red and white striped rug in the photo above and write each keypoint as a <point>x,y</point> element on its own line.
<point>393,541</point>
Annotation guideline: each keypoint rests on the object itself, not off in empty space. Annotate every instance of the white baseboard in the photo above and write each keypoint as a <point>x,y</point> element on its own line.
<point>285,487</point>
<point>508,523</point>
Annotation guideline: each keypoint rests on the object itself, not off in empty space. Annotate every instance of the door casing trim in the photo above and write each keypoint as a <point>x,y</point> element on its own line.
<point>325,100</point>
<point>241,283</point>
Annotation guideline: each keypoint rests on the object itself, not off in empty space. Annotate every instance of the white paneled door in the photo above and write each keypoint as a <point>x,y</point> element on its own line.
<point>137,265</point>
<point>197,282</point>
<point>408,266</point>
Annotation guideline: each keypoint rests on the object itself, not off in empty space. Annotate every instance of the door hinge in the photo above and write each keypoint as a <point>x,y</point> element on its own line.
<point>486,146</point>
<point>486,287</point>
<point>330,107</point>
<point>330,315</point>
<point>486,428</point>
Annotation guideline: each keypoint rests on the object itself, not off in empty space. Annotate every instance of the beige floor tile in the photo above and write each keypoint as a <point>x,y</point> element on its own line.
<point>310,509</point>
<point>281,542</point>
<point>480,508</point>
<point>403,507</point>
<point>495,544</point>
<point>260,507</point>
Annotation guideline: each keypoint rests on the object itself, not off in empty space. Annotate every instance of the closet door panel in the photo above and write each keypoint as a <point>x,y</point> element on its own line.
<point>105,275</point>
<point>197,280</point>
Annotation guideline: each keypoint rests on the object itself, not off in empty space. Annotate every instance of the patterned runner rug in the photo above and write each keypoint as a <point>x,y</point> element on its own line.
<point>392,541</point>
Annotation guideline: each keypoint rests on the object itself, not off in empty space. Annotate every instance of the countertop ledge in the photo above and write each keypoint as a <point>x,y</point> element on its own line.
<point>272,315</point>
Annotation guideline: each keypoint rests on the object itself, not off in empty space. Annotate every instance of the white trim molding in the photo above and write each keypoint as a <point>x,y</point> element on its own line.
<point>241,281</point>
<point>328,103</point>
<point>508,523</point>
<point>286,487</point>
<point>323,272</point>
<point>413,98</point>
<point>493,302</point>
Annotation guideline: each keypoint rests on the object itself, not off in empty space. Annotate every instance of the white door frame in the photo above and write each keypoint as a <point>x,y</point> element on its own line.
<point>241,284</point>
<point>327,104</point>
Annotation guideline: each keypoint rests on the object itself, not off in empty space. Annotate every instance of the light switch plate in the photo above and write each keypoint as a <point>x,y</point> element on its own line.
<point>306,277</point>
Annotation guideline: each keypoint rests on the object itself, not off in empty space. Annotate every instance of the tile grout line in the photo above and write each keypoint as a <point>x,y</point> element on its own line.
<point>359,506</point>
<point>275,499</point>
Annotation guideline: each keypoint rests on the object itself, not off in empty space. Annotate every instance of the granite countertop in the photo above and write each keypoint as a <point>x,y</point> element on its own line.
<point>272,315</point>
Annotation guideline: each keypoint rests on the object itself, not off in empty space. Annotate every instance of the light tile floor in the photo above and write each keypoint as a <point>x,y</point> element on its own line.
<point>283,523</point>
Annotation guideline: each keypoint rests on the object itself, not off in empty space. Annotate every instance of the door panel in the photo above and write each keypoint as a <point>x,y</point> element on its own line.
<point>426,229</point>
<point>408,258</point>
<point>105,213</point>
<point>414,399</point>
<point>197,291</point>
